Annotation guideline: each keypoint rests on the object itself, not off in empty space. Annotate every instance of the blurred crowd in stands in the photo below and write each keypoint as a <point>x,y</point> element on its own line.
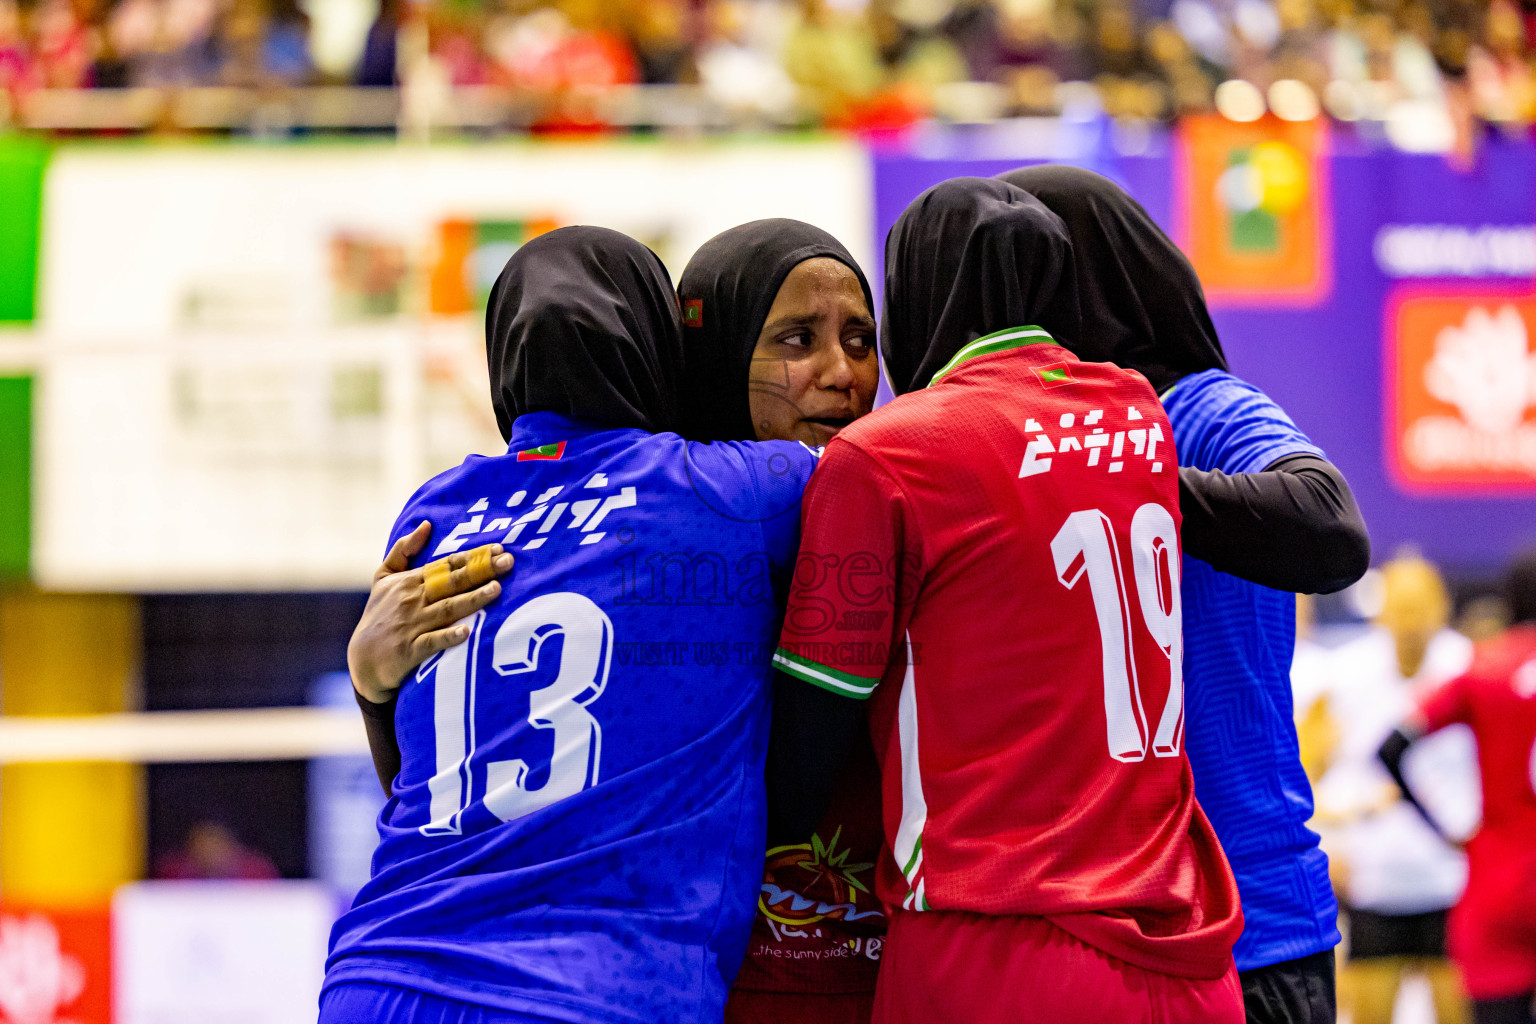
<point>860,64</point>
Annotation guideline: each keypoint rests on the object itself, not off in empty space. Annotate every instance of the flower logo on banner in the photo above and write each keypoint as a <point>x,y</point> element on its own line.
<point>1484,368</point>
<point>37,978</point>
<point>1465,389</point>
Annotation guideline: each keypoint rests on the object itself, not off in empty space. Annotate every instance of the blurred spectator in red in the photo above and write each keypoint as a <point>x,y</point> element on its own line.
<point>17,72</point>
<point>455,33</point>
<point>567,57</point>
<point>63,45</point>
<point>593,54</point>
<point>556,49</point>
<point>213,851</point>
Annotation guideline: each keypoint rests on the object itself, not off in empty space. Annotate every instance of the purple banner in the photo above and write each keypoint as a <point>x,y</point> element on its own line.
<point>1412,367</point>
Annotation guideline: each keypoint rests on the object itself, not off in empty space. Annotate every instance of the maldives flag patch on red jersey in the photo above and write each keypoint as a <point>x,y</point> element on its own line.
<point>693,312</point>
<point>543,453</point>
<point>1055,375</point>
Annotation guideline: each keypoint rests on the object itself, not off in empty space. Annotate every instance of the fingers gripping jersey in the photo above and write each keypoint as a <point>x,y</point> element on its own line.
<point>577,829</point>
<point>996,561</point>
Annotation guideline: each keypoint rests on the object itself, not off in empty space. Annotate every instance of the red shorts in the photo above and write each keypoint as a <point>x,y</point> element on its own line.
<point>939,968</point>
<point>748,1007</point>
<point>1494,947</point>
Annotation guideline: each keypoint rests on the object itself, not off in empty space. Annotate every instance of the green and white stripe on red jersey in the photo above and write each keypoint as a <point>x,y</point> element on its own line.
<point>845,683</point>
<point>997,341</point>
<point>908,844</point>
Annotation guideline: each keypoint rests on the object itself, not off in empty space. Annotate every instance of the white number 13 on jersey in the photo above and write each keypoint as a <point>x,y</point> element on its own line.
<point>1085,546</point>
<point>560,707</point>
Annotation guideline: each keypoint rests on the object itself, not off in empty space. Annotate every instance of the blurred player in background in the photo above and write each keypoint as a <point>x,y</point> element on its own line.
<point>1262,505</point>
<point>1007,595</point>
<point>576,831</point>
<point>1398,876</point>
<point>213,850</point>
<point>779,342</point>
<point>1492,933</point>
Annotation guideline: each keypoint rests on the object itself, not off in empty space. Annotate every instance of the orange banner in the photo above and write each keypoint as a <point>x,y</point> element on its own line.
<point>1254,208</point>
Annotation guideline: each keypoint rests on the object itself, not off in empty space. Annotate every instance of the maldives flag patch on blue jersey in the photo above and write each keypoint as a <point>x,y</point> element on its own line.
<point>543,453</point>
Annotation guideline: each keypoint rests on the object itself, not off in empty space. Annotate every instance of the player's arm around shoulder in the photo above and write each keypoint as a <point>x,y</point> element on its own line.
<point>1267,507</point>
<point>411,613</point>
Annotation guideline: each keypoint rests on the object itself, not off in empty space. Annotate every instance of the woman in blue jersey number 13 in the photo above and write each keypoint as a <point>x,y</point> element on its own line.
<point>576,828</point>
<point>779,342</point>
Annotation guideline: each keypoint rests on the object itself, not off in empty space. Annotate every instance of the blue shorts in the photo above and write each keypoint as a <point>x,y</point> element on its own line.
<point>369,1002</point>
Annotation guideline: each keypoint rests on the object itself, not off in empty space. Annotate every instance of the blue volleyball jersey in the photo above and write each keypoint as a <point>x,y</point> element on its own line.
<point>1239,731</point>
<point>577,830</point>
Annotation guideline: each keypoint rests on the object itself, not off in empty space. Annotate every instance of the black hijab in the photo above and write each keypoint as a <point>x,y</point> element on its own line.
<point>1142,306</point>
<point>969,257</point>
<point>726,291</point>
<point>583,322</point>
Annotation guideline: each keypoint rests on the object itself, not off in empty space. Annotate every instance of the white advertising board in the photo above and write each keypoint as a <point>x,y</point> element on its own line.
<point>252,356</point>
<point>219,952</point>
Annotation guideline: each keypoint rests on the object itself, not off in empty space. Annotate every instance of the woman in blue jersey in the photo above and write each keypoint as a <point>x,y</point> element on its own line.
<point>576,828</point>
<point>779,344</point>
<point>1261,504</point>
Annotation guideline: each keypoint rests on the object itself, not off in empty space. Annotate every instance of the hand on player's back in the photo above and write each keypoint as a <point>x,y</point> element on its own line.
<point>411,613</point>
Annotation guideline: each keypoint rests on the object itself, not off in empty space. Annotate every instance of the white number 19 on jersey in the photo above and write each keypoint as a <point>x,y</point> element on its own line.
<point>1085,546</point>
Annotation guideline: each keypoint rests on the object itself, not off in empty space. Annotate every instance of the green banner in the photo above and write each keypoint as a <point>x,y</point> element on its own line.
<point>15,476</point>
<point>23,162</point>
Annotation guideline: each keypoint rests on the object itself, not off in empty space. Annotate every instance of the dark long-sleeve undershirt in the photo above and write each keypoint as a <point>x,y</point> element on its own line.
<point>1293,527</point>
<point>813,731</point>
<point>379,724</point>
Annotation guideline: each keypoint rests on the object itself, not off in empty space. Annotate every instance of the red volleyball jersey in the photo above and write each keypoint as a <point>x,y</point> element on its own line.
<point>995,561</point>
<point>1497,699</point>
